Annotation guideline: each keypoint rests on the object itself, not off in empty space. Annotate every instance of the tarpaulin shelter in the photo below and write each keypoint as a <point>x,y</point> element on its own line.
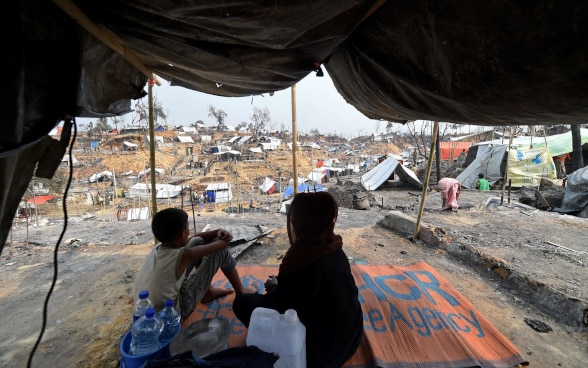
<point>268,186</point>
<point>452,150</point>
<point>377,176</point>
<point>218,192</point>
<point>304,187</point>
<point>40,199</point>
<point>394,61</point>
<point>526,166</point>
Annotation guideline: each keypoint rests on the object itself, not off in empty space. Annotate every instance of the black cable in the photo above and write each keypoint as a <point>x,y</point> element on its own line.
<point>55,270</point>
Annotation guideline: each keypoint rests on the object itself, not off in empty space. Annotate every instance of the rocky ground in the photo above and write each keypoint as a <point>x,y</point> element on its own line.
<point>513,263</point>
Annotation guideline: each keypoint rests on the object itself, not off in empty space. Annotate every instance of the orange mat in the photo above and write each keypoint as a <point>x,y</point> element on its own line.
<point>412,318</point>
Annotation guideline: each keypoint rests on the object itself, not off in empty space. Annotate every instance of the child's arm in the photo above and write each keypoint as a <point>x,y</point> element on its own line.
<point>211,235</point>
<point>192,254</point>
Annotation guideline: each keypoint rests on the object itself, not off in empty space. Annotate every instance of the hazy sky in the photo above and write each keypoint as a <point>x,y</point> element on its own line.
<point>319,106</point>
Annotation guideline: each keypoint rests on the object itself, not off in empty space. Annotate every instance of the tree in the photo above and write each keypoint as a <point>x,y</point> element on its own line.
<point>116,121</point>
<point>219,115</point>
<point>142,112</point>
<point>315,132</point>
<point>241,125</point>
<point>260,118</point>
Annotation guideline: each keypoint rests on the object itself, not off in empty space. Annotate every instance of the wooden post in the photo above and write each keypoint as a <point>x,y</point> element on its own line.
<point>426,184</point>
<point>294,141</point>
<point>505,179</point>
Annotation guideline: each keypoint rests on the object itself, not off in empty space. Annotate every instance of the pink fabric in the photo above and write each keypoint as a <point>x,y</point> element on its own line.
<point>450,189</point>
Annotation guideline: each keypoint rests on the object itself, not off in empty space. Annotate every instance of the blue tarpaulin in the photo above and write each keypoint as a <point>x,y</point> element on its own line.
<point>304,187</point>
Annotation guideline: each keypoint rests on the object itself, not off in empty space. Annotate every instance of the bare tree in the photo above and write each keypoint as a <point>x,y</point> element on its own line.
<point>260,118</point>
<point>219,115</point>
<point>141,116</point>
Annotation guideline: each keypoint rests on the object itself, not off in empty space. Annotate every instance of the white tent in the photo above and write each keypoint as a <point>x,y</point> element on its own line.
<point>143,191</point>
<point>268,186</point>
<point>218,192</point>
<point>374,178</point>
<point>185,139</point>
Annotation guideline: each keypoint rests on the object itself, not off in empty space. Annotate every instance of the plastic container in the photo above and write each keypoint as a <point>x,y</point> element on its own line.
<point>129,360</point>
<point>145,333</point>
<point>283,334</point>
<point>171,322</point>
<point>141,305</point>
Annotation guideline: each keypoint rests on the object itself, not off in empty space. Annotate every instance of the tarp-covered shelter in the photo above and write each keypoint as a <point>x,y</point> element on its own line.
<point>218,192</point>
<point>394,61</point>
<point>557,144</point>
<point>377,176</point>
<point>128,146</point>
<point>526,166</point>
<point>268,186</point>
<point>576,195</point>
<point>304,187</point>
<point>185,139</point>
<point>101,176</point>
<point>163,191</point>
<point>452,150</point>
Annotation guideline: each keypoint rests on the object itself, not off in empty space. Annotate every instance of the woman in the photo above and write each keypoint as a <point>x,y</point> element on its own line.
<point>450,189</point>
<point>314,279</point>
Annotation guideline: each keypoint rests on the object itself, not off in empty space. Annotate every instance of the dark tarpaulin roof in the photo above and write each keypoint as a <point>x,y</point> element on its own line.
<point>486,63</point>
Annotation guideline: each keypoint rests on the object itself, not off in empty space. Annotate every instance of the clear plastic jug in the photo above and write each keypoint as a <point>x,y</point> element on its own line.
<point>282,334</point>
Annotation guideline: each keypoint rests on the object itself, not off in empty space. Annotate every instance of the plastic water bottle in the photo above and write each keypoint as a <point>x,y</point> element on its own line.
<point>283,334</point>
<point>145,333</point>
<point>171,322</point>
<point>141,305</point>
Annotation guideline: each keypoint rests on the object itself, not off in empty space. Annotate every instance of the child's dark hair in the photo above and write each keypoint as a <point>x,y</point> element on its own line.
<point>168,223</point>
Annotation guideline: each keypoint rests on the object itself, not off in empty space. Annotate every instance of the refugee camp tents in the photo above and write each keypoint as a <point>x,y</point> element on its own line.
<point>158,171</point>
<point>128,146</point>
<point>268,186</point>
<point>184,139</point>
<point>143,191</point>
<point>218,192</point>
<point>526,166</point>
<point>318,175</point>
<point>101,176</point>
<point>377,176</point>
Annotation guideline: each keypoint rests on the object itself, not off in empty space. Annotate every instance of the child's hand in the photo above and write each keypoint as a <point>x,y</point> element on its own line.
<point>224,235</point>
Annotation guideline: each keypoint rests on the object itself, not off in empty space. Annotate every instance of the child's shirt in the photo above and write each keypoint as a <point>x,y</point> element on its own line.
<point>159,275</point>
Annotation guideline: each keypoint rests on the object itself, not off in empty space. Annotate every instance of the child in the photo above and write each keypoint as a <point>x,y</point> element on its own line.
<point>181,267</point>
<point>481,183</point>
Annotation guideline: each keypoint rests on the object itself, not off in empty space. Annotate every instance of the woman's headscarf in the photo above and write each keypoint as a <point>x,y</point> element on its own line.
<point>311,222</point>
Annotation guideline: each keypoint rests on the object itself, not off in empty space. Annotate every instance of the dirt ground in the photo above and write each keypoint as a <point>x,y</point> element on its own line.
<point>90,308</point>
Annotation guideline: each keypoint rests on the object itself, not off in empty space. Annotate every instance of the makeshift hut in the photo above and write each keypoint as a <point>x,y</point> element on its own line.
<point>384,171</point>
<point>218,192</point>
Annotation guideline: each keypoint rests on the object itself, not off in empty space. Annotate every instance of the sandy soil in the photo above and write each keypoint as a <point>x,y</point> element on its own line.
<point>89,310</point>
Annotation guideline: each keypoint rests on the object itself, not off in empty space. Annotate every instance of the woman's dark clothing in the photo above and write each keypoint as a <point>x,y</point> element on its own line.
<point>324,294</point>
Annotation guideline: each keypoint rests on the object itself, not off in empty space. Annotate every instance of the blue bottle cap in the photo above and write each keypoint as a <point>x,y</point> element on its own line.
<point>144,294</point>
<point>169,303</point>
<point>150,312</point>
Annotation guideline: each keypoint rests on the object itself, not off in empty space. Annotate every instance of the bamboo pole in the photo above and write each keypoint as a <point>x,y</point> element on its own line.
<point>426,184</point>
<point>294,141</point>
<point>152,150</point>
<point>507,166</point>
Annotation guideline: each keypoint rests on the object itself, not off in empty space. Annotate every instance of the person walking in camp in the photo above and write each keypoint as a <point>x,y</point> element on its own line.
<point>450,190</point>
<point>314,279</point>
<point>482,183</point>
<point>181,267</point>
<point>560,165</point>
